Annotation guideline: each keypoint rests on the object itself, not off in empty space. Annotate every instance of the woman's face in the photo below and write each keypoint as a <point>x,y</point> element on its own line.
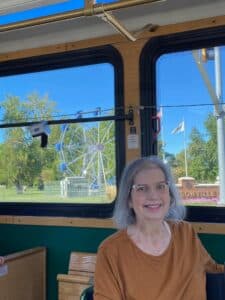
<point>150,198</point>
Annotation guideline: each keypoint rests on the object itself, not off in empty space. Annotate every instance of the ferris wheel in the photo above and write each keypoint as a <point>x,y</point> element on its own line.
<point>88,151</point>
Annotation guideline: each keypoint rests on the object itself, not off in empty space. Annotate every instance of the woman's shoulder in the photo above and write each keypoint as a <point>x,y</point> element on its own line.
<point>114,240</point>
<point>181,226</point>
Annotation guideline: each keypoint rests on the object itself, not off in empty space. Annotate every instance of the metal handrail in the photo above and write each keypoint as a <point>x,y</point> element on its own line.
<point>93,10</point>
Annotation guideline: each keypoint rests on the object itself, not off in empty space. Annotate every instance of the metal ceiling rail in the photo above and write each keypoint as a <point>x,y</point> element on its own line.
<point>89,10</point>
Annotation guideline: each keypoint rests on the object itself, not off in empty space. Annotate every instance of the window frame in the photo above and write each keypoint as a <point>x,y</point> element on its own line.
<point>154,48</point>
<point>73,58</point>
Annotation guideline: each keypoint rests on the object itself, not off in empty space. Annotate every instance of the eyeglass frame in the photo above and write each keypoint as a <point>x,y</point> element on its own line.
<point>148,188</point>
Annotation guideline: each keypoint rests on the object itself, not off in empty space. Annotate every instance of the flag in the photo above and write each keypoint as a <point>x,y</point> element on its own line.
<point>179,128</point>
<point>160,113</point>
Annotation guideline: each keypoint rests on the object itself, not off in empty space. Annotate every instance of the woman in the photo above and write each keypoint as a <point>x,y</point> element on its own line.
<point>155,255</point>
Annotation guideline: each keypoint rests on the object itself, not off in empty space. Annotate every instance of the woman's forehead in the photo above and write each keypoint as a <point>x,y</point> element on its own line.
<point>152,173</point>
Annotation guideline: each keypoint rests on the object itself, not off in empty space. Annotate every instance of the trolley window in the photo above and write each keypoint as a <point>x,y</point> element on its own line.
<point>187,123</point>
<point>59,133</point>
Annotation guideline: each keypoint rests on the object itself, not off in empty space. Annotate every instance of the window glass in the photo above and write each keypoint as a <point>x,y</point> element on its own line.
<point>191,138</point>
<point>78,164</point>
<point>17,13</point>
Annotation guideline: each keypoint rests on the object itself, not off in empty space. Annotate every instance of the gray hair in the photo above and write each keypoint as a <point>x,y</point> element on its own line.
<point>123,214</point>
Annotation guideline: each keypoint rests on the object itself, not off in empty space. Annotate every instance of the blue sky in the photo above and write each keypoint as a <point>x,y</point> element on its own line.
<point>180,84</point>
<point>73,89</point>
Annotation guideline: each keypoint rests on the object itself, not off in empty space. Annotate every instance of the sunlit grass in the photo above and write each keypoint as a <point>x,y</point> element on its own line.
<point>36,196</point>
<point>32,195</point>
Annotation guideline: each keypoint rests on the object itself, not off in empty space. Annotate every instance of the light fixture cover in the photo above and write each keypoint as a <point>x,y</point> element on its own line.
<point>11,6</point>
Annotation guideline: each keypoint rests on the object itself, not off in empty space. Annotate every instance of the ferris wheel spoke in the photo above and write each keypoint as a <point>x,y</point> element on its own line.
<point>104,137</point>
<point>103,169</point>
<point>112,141</point>
<point>76,159</point>
<point>91,160</point>
<point>86,151</point>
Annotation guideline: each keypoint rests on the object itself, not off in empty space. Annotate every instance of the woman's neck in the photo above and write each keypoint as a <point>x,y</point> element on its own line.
<point>152,239</point>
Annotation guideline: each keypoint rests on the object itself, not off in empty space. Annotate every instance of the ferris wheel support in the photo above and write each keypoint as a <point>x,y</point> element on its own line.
<point>86,152</point>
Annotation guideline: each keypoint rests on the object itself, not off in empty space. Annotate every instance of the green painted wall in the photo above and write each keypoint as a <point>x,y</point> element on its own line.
<point>60,241</point>
<point>215,244</point>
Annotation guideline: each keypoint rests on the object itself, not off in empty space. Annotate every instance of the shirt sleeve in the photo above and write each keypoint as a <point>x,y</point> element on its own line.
<point>106,280</point>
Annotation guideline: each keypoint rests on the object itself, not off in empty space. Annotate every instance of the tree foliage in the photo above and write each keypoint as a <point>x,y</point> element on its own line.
<point>89,150</point>
<point>202,155</point>
<point>22,158</point>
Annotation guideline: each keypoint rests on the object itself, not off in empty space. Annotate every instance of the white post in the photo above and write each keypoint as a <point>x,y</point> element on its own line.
<point>220,127</point>
<point>162,134</point>
<point>185,152</point>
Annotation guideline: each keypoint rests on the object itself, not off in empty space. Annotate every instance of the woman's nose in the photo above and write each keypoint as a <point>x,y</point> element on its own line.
<point>152,193</point>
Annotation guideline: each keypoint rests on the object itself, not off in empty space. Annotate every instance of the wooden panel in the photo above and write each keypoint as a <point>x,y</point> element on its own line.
<point>26,277</point>
<point>70,291</point>
<point>115,39</point>
<point>209,228</point>
<point>131,56</point>
<point>58,221</point>
<point>212,228</point>
<point>82,262</point>
<point>81,273</point>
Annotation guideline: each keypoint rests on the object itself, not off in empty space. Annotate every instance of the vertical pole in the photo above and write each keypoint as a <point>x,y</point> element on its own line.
<point>220,127</point>
<point>185,152</point>
<point>162,134</point>
<point>98,156</point>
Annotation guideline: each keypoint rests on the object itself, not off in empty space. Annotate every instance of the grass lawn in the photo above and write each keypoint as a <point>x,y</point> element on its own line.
<point>31,195</point>
<point>34,195</point>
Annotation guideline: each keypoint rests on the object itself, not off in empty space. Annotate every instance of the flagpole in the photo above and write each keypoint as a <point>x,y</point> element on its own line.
<point>178,129</point>
<point>162,134</point>
<point>185,152</point>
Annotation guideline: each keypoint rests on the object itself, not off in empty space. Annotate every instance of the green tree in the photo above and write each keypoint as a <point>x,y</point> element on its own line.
<point>179,166</point>
<point>197,166</point>
<point>202,156</point>
<point>22,158</point>
<point>211,148</point>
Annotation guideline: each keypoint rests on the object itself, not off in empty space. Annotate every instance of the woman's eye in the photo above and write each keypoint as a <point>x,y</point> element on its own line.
<point>161,186</point>
<point>141,188</point>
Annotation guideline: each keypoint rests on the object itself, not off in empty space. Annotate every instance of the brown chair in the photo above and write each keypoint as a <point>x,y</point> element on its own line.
<point>80,276</point>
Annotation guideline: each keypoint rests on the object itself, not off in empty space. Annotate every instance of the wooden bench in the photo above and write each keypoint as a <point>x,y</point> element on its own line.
<point>80,276</point>
<point>25,276</point>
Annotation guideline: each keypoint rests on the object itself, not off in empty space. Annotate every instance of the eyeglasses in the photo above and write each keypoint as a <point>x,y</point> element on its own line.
<point>144,189</point>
